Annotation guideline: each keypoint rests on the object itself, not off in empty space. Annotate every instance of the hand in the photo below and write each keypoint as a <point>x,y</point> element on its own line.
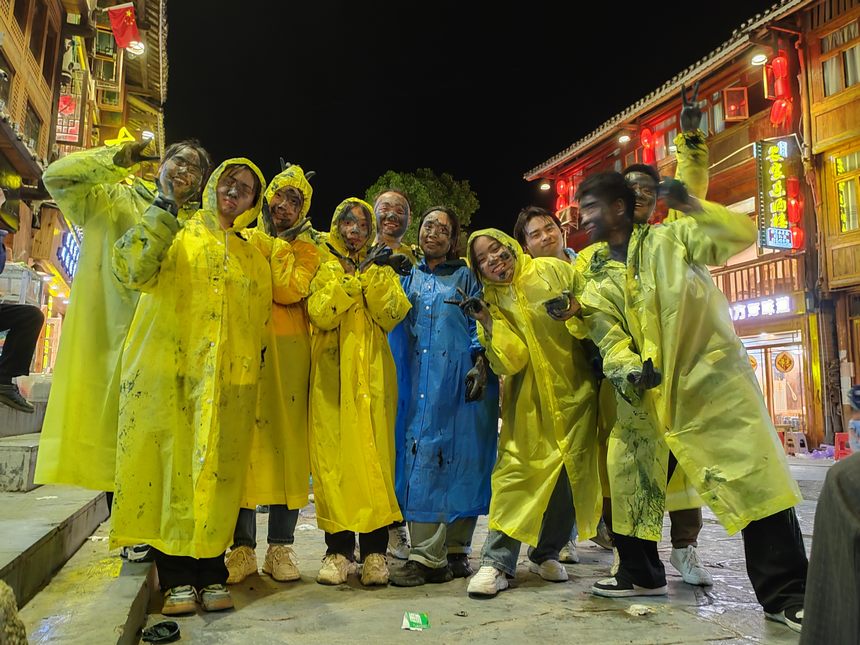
<point>378,254</point>
<point>648,378</point>
<point>472,307</point>
<point>562,307</point>
<point>476,379</point>
<point>297,229</point>
<point>266,217</point>
<point>676,195</point>
<point>165,199</point>
<point>691,115</point>
<point>132,153</point>
<point>348,264</point>
<point>400,263</point>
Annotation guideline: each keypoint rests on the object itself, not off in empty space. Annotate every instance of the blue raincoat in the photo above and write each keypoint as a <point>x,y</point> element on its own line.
<point>446,447</point>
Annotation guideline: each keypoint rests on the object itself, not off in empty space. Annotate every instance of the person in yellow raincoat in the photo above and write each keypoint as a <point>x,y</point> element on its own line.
<point>188,394</point>
<point>548,441</point>
<point>356,300</point>
<point>279,465</point>
<point>677,354</point>
<point>81,417</point>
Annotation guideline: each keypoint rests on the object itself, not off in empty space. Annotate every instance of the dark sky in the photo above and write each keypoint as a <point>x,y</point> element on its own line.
<point>352,89</point>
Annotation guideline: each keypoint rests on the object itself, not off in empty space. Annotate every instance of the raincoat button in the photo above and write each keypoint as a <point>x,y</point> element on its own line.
<point>427,307</point>
<point>425,351</point>
<point>215,289</point>
<point>212,344</point>
<point>422,396</point>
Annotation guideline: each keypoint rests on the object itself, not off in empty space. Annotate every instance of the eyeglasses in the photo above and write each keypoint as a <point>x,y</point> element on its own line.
<point>183,165</point>
<point>386,207</point>
<point>433,228</point>
<point>244,190</point>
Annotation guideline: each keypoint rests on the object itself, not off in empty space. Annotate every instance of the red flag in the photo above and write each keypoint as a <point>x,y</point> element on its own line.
<point>123,24</point>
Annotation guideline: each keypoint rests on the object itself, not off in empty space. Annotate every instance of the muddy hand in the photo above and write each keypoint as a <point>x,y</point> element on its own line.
<point>472,307</point>
<point>293,232</point>
<point>132,153</point>
<point>266,216</point>
<point>400,263</point>
<point>648,378</point>
<point>560,308</point>
<point>476,380</point>
<point>378,254</point>
<point>691,114</point>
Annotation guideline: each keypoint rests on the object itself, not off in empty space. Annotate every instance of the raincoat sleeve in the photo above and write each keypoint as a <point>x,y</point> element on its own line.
<point>293,268</point>
<point>505,350</point>
<point>384,295</point>
<point>138,254</point>
<point>714,234</point>
<point>333,293</point>
<point>474,291</point>
<point>692,168</point>
<point>85,183</point>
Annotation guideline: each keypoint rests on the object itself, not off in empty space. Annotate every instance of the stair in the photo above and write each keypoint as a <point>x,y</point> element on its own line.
<point>18,462</point>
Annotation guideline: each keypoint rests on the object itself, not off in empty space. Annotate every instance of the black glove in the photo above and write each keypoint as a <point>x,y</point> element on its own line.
<point>476,379</point>
<point>164,199</point>
<point>338,255</point>
<point>266,216</point>
<point>297,229</point>
<point>648,378</point>
<point>558,308</point>
<point>691,115</point>
<point>674,192</point>
<point>378,254</point>
<point>132,153</point>
<point>400,263</point>
<point>470,305</point>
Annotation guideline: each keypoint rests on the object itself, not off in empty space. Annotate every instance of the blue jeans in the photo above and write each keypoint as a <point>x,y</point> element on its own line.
<point>282,526</point>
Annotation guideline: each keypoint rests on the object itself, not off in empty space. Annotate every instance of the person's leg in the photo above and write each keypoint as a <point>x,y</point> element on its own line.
<point>501,552</point>
<point>281,562</point>
<point>372,546</point>
<point>640,563</point>
<point>398,540</point>
<point>459,545</point>
<point>373,542</point>
<point>557,524</point>
<point>429,544</point>
<point>24,323</point>
<point>212,584</point>
<point>246,529</point>
<point>776,561</point>
<point>341,543</point>
<point>339,560</point>
<point>174,570</point>
<point>242,560</point>
<point>282,524</point>
<point>685,527</point>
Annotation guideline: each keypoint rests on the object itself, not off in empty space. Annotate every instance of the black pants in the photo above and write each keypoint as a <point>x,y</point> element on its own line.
<point>773,547</point>
<point>24,323</point>
<point>343,542</point>
<point>180,570</point>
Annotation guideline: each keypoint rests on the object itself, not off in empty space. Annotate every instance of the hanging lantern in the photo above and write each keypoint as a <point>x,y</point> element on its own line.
<point>646,138</point>
<point>794,210</point>
<point>780,88</point>
<point>561,187</point>
<point>779,64</point>
<point>798,237</point>
<point>779,111</point>
<point>560,203</point>
<point>648,156</point>
<point>792,187</point>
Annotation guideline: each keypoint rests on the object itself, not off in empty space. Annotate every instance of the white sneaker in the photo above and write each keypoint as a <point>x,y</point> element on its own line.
<point>398,542</point>
<point>241,563</point>
<point>374,571</point>
<point>487,582</point>
<point>568,553</point>
<point>687,562</point>
<point>616,562</point>
<point>551,570</point>
<point>335,569</point>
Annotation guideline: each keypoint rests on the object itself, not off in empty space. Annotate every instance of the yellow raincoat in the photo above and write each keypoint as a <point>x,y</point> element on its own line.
<point>709,407</point>
<point>190,369</point>
<point>353,401</point>
<point>279,465</point>
<point>82,411</point>
<point>549,410</point>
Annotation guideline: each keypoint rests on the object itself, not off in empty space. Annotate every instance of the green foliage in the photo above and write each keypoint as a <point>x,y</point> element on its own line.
<point>424,188</point>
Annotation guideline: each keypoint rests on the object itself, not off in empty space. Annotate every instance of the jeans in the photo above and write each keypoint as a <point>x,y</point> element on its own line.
<point>282,526</point>
<point>433,542</point>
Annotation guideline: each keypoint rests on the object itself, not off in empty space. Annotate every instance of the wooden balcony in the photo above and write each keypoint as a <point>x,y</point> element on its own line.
<point>764,277</point>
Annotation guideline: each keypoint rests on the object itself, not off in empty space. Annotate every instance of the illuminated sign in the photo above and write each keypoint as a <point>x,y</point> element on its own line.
<point>67,254</point>
<point>780,203</point>
<point>776,306</point>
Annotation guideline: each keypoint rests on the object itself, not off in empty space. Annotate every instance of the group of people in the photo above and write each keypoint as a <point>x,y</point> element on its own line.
<point>218,350</point>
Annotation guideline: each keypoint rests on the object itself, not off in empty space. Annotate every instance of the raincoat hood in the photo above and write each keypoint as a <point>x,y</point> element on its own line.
<point>293,177</point>
<point>520,257</point>
<point>337,241</point>
<point>210,198</point>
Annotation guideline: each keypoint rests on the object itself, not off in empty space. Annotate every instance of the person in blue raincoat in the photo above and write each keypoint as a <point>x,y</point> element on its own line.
<point>447,416</point>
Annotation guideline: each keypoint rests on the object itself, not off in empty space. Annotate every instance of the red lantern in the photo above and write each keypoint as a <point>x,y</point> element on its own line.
<point>779,64</point>
<point>648,155</point>
<point>779,111</point>
<point>646,138</point>
<point>798,237</point>
<point>792,187</point>
<point>780,88</point>
<point>560,203</point>
<point>561,187</point>
<point>795,210</point>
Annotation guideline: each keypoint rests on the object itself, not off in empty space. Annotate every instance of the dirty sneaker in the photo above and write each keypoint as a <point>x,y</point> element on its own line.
<point>374,571</point>
<point>687,562</point>
<point>216,598</point>
<point>335,569</point>
<point>550,570</point>
<point>137,553</point>
<point>281,563</point>
<point>241,563</point>
<point>459,563</point>
<point>487,582</point>
<point>615,588</point>
<point>616,562</point>
<point>415,574</point>
<point>11,396</point>
<point>568,553</point>
<point>603,537</point>
<point>179,600</point>
<point>398,542</point>
<point>792,617</point>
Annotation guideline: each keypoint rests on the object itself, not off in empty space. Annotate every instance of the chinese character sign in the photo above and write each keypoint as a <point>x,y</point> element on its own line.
<point>766,308</point>
<point>778,169</point>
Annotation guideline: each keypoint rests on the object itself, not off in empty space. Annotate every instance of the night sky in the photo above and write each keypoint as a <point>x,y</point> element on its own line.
<point>352,89</point>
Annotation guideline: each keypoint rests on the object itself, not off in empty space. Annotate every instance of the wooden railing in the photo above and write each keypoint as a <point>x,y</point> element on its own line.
<point>761,278</point>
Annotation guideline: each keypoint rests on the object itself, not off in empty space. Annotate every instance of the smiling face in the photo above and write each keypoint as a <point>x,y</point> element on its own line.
<point>599,219</point>
<point>494,260</point>
<point>392,215</point>
<point>353,228</point>
<point>184,172</point>
<point>286,207</point>
<point>236,190</point>
<point>646,195</point>
<point>543,238</point>
<point>434,236</point>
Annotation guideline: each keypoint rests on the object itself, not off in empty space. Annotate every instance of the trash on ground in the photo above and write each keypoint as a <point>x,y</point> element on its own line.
<point>415,621</point>
<point>640,610</point>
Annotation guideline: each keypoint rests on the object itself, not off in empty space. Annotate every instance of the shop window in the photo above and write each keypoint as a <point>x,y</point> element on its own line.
<point>778,363</point>
<point>49,62</point>
<point>22,13</point>
<point>840,58</point>
<point>847,171</point>
<point>719,121</point>
<point>6,75</point>
<point>32,127</point>
<point>37,31</point>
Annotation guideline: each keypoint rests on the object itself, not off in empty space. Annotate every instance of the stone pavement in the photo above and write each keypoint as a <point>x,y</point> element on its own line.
<point>532,610</point>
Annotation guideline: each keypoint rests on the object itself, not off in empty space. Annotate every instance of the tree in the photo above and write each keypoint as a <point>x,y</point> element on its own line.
<point>424,188</point>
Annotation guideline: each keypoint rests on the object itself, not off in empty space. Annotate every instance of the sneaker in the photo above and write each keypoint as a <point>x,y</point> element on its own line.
<point>374,571</point>
<point>568,553</point>
<point>551,570</point>
<point>687,562</point>
<point>179,600</point>
<point>415,574</point>
<point>137,553</point>
<point>281,563</point>
<point>487,582</point>
<point>793,617</point>
<point>398,542</point>
<point>603,537</point>
<point>616,562</point>
<point>216,598</point>
<point>241,563</point>
<point>615,588</point>
<point>459,564</point>
<point>335,569</point>
<point>11,396</point>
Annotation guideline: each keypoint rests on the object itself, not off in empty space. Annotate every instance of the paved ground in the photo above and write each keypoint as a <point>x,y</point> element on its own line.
<point>531,611</point>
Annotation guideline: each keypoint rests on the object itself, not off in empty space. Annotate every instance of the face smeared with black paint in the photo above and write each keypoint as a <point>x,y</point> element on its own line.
<point>286,207</point>
<point>392,214</point>
<point>183,172</point>
<point>353,229</point>
<point>235,192</point>
<point>434,237</point>
<point>495,260</point>
<point>646,195</point>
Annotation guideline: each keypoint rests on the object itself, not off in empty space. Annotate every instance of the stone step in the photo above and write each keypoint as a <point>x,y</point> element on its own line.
<point>97,597</point>
<point>14,422</point>
<point>41,529</point>
<point>18,463</point>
